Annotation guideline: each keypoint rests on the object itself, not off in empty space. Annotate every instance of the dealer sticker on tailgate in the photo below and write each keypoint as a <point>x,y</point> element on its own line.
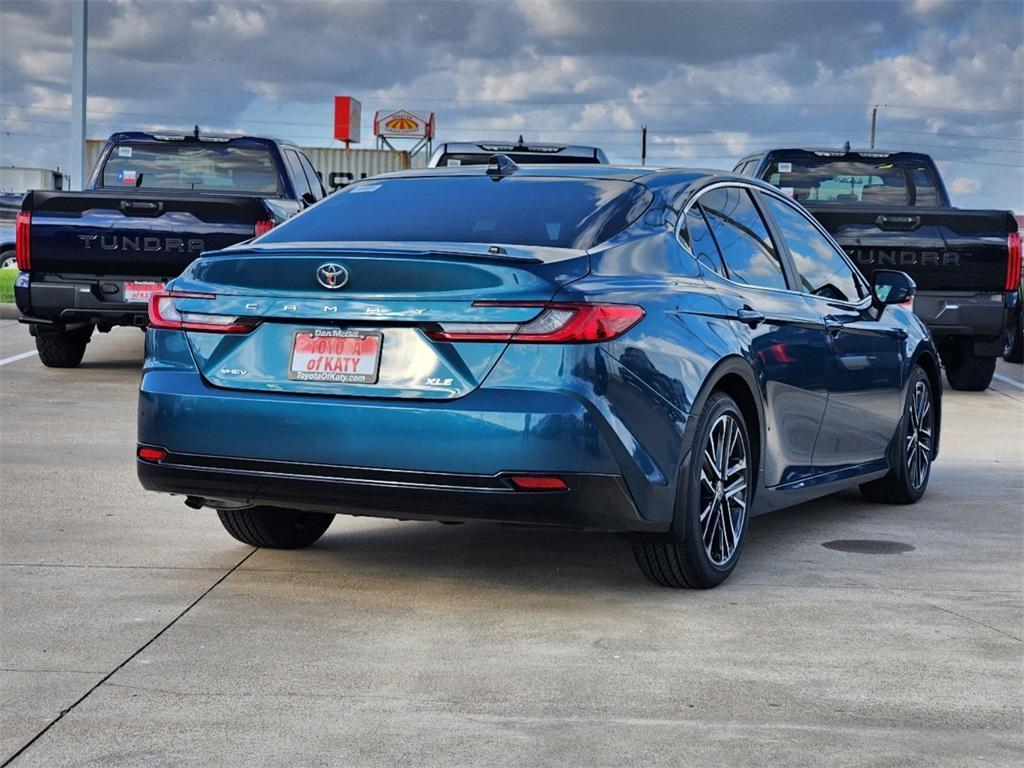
<point>336,355</point>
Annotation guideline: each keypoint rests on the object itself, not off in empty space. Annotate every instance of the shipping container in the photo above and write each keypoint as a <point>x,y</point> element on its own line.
<point>15,180</point>
<point>337,166</point>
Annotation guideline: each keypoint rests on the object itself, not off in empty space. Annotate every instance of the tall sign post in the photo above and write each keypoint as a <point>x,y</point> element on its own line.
<point>79,33</point>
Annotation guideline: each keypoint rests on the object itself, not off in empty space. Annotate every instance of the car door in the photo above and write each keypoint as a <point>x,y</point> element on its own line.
<point>865,348</point>
<point>782,334</point>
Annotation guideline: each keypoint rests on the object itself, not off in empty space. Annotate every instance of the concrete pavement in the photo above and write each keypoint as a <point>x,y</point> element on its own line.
<point>168,643</point>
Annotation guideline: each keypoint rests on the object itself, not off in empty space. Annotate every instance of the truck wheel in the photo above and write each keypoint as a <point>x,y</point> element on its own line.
<point>915,439</point>
<point>275,528</point>
<point>62,349</point>
<point>965,370</point>
<point>8,260</point>
<point>1015,348</point>
<point>711,517</point>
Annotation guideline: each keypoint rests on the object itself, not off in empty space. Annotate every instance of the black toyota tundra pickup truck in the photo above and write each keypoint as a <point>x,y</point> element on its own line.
<point>890,210</point>
<point>90,260</point>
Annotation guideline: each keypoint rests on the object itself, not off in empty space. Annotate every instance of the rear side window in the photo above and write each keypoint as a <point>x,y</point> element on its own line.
<point>700,242</point>
<point>315,185</point>
<point>821,267</point>
<point>191,166</point>
<point>556,212</point>
<point>748,251</point>
<point>924,186</point>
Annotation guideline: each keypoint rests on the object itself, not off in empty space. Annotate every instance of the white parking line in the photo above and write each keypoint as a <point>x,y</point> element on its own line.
<point>16,358</point>
<point>1004,379</point>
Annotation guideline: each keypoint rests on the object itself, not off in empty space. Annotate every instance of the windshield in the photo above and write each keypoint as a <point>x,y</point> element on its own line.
<point>556,212</point>
<point>191,166</point>
<point>844,182</point>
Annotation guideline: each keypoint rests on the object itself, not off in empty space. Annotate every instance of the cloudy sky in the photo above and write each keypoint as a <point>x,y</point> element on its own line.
<point>712,81</point>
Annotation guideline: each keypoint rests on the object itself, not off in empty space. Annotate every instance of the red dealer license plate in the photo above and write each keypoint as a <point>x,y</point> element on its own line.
<point>336,355</point>
<point>141,291</point>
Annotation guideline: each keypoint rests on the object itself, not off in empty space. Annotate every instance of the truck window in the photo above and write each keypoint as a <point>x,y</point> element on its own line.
<point>315,185</point>
<point>191,167</point>
<point>872,181</point>
<point>296,172</point>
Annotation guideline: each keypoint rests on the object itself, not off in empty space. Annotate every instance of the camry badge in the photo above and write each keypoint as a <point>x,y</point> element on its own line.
<point>332,276</point>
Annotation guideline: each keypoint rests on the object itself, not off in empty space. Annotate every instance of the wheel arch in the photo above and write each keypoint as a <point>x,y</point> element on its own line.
<point>735,377</point>
<point>928,359</point>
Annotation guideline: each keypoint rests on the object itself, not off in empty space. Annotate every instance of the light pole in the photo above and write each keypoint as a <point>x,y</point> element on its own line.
<point>79,31</point>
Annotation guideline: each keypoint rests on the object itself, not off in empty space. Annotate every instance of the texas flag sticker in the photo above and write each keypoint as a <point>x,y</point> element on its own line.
<point>128,177</point>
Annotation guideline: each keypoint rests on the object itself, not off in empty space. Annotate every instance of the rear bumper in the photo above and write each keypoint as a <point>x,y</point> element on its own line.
<point>55,301</point>
<point>952,313</point>
<point>596,502</point>
<point>395,458</point>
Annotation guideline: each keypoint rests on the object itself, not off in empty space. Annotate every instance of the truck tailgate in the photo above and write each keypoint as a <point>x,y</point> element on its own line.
<point>940,248</point>
<point>105,233</point>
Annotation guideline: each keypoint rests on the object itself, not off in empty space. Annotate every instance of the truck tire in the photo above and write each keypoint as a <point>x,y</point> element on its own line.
<point>62,349</point>
<point>275,528</point>
<point>1015,348</point>
<point>8,260</point>
<point>965,370</point>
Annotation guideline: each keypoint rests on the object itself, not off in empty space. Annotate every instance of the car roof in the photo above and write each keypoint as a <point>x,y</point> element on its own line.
<point>651,177</point>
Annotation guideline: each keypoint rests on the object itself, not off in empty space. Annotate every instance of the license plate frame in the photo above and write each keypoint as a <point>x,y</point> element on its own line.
<point>139,291</point>
<point>327,372</point>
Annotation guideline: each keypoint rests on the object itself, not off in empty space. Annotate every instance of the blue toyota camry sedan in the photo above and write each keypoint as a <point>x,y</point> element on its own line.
<point>661,354</point>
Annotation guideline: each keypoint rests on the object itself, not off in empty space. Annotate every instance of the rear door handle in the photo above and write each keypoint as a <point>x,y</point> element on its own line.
<point>751,317</point>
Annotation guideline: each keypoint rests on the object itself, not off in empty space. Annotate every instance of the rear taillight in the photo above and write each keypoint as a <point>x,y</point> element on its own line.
<point>163,314</point>
<point>1013,264</point>
<point>557,323</point>
<point>22,238</point>
<point>263,226</point>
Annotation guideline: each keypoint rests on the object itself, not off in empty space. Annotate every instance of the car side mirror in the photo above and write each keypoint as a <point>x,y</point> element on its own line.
<point>890,286</point>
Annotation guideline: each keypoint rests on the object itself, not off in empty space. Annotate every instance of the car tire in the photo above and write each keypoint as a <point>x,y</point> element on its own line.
<point>966,371</point>
<point>908,478</point>
<point>8,260</point>
<point>62,349</point>
<point>275,528</point>
<point>715,492</point>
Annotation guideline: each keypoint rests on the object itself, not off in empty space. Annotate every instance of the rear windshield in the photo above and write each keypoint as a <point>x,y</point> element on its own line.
<point>191,166</point>
<point>534,158</point>
<point>843,181</point>
<point>556,212</point>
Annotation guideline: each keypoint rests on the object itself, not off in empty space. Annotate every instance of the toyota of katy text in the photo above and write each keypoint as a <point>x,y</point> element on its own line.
<point>90,260</point>
<point>660,354</point>
<point>890,210</point>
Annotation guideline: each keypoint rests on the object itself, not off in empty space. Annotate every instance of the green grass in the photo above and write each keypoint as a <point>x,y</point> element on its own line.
<point>7,284</point>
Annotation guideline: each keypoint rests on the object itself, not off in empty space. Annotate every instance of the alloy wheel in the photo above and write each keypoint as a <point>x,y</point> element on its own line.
<point>918,441</point>
<point>724,489</point>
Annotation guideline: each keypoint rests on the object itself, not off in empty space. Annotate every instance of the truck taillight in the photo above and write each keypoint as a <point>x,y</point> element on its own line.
<point>1013,263</point>
<point>163,314</point>
<point>263,226</point>
<point>22,236</point>
<point>557,323</point>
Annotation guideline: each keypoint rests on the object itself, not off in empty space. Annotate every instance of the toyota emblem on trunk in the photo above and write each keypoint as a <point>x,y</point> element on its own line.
<point>332,276</point>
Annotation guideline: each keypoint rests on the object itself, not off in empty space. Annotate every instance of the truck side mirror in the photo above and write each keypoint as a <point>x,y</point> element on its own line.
<point>308,198</point>
<point>890,286</point>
